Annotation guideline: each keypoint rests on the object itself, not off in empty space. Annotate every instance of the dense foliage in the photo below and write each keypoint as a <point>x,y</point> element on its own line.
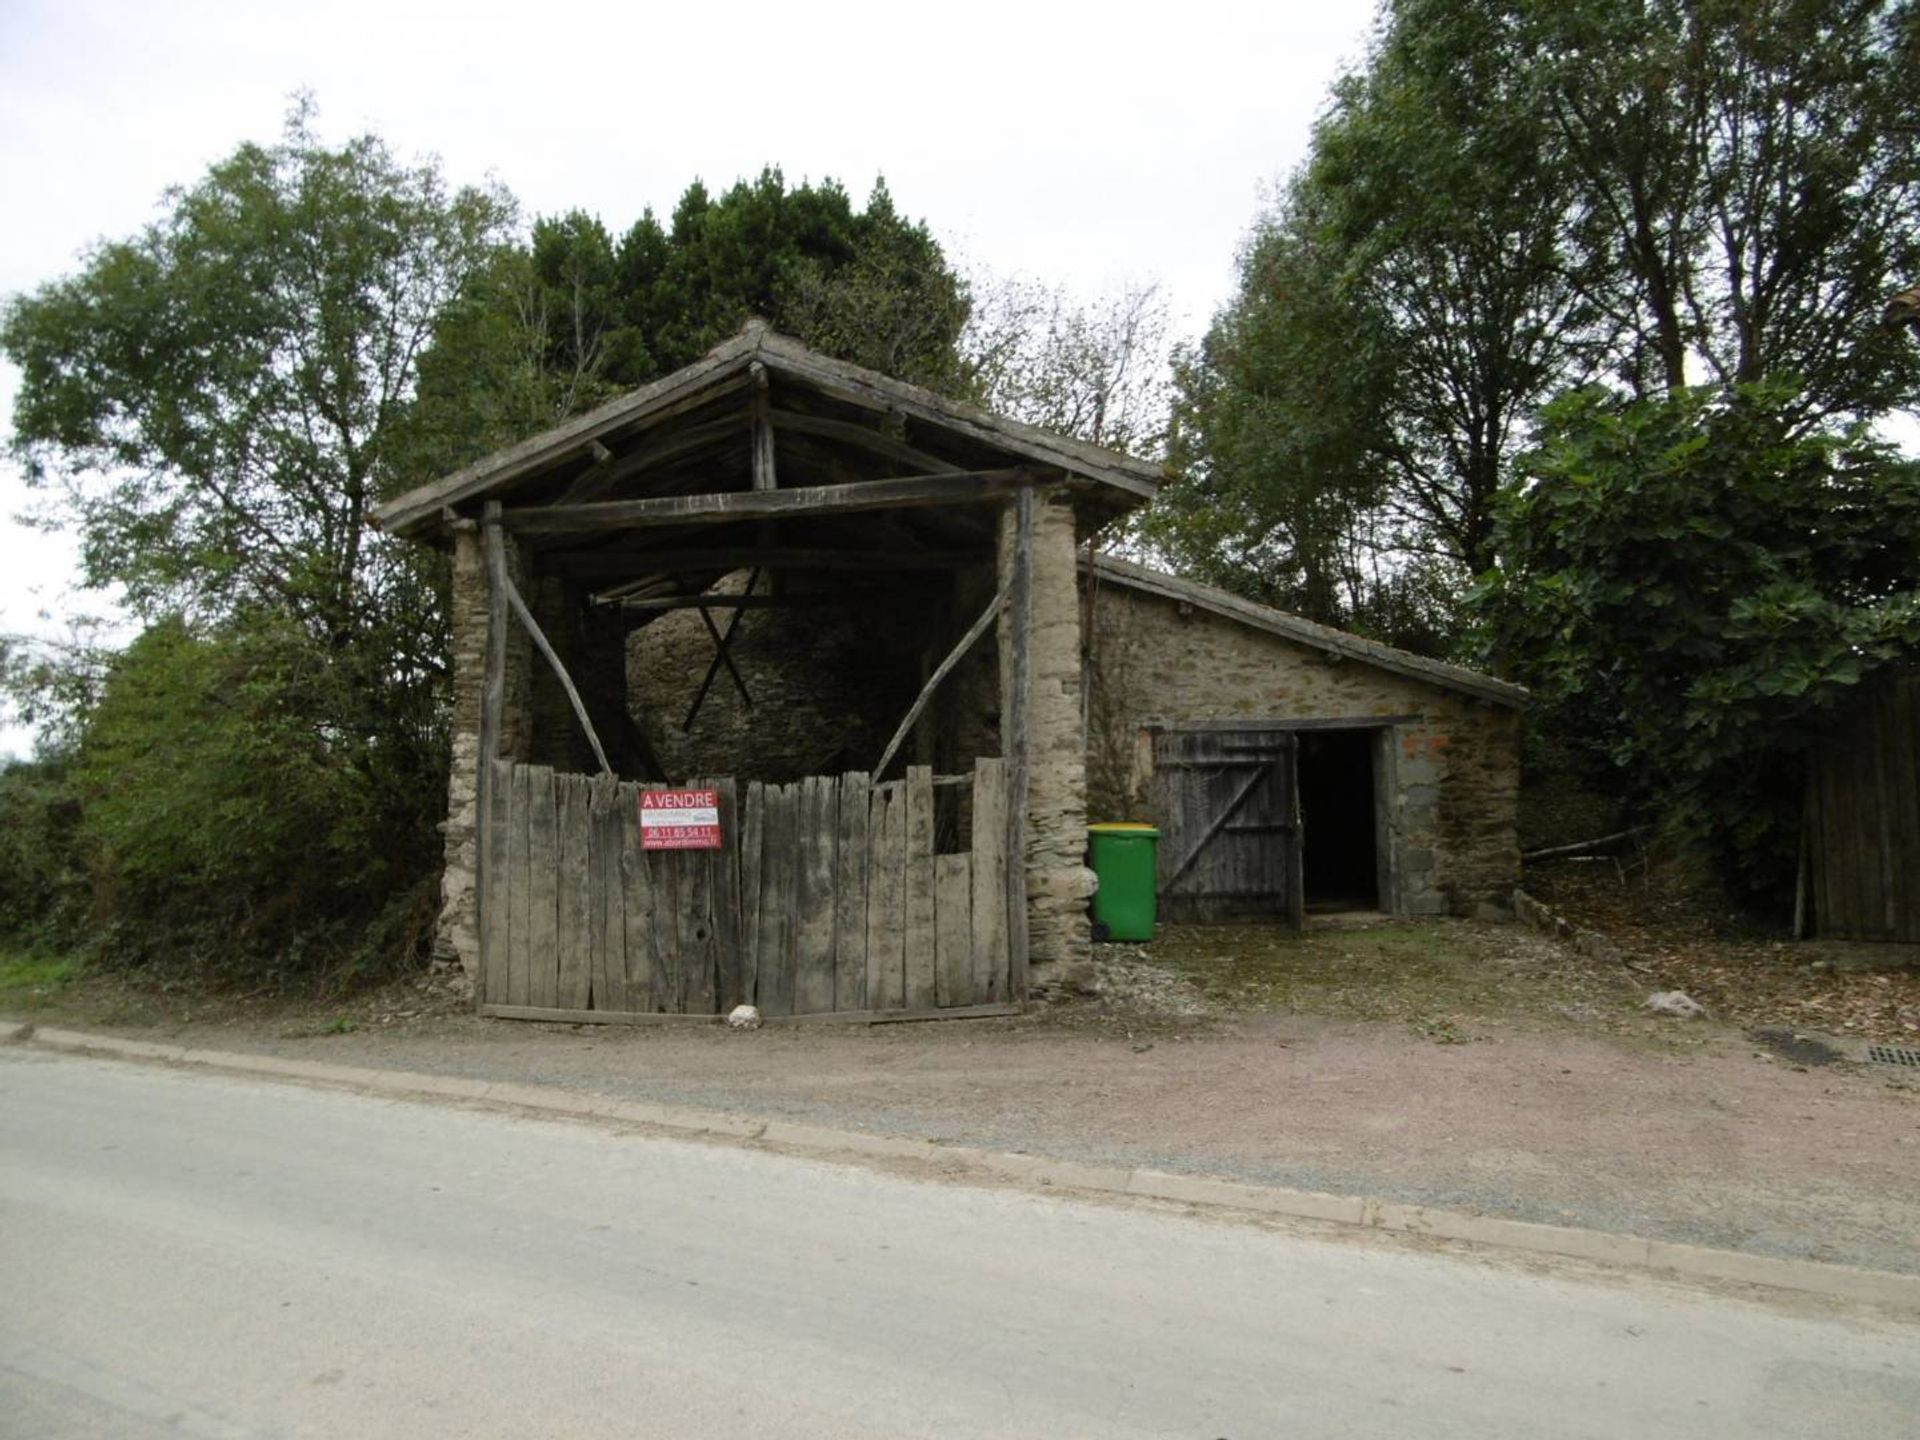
<point>1692,583</point>
<point>575,316</point>
<point>1513,198</point>
<point>218,402</point>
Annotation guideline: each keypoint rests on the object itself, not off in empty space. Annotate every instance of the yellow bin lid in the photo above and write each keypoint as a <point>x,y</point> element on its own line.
<point>1122,827</point>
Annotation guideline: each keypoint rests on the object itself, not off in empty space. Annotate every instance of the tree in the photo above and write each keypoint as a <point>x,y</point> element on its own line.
<point>1401,315</point>
<point>218,400</point>
<point>576,316</point>
<point>1690,583</point>
<point>1749,186</point>
<point>1512,198</point>
<point>1095,369</point>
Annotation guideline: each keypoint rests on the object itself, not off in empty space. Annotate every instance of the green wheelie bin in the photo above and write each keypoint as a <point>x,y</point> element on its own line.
<point>1122,855</point>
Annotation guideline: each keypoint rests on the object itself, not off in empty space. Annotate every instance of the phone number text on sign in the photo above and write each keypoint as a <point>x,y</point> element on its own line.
<point>679,820</point>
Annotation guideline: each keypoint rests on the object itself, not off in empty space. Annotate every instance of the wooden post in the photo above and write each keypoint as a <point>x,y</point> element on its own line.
<point>762,410</point>
<point>560,670</point>
<point>1018,659</point>
<point>493,691</point>
<point>954,657</point>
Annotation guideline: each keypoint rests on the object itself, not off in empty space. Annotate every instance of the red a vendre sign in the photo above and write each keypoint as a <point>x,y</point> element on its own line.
<point>679,820</point>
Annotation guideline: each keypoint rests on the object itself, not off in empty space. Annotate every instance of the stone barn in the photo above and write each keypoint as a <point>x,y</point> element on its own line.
<point>781,682</point>
<point>1293,767</point>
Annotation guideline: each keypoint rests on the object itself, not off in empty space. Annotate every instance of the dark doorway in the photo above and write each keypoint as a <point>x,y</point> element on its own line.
<point>1337,814</point>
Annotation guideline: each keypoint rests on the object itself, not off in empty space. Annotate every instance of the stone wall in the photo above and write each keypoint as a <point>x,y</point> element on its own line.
<point>1058,882</point>
<point>458,933</point>
<point>829,681</point>
<point>1451,772</point>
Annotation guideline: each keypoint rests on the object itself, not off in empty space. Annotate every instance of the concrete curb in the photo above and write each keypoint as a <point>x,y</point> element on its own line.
<point>1695,1262</point>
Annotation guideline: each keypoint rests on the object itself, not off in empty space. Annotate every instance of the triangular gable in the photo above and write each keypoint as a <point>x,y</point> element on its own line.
<point>727,365</point>
<point>1458,678</point>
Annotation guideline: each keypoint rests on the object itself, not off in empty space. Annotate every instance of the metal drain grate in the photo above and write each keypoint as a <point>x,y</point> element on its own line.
<point>1894,1055</point>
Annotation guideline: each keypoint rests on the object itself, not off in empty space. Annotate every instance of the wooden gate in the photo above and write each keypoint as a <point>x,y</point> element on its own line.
<point>1228,806</point>
<point>828,897</point>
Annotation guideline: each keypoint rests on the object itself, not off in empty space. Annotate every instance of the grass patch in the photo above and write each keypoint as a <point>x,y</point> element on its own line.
<point>1440,977</point>
<point>30,981</point>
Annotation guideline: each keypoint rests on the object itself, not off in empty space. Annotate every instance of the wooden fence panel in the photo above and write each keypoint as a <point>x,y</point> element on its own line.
<point>636,909</point>
<point>777,894</point>
<point>573,875</point>
<point>752,833</point>
<point>953,930</point>
<point>828,896</point>
<point>607,938</point>
<point>990,948</point>
<point>543,889</point>
<point>921,994</point>
<point>850,894</point>
<point>816,833</point>
<point>520,885</point>
<point>886,898</point>
<point>729,954</point>
<point>496,925</point>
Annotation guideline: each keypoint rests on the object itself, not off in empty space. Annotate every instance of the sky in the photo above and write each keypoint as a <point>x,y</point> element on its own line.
<point>1087,145</point>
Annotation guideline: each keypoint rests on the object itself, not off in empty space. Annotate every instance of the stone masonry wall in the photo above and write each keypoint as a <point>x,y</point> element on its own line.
<point>1058,882</point>
<point>1454,770</point>
<point>457,936</point>
<point>829,682</point>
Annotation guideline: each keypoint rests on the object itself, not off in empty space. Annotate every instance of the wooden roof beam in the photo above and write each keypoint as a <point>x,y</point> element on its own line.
<point>956,487</point>
<point>618,564</point>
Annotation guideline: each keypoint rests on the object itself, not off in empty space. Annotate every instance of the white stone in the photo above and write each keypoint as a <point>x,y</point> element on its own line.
<point>1676,1003</point>
<point>744,1017</point>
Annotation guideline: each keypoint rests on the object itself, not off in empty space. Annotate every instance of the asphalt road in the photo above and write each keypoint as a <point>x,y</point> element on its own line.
<point>190,1255</point>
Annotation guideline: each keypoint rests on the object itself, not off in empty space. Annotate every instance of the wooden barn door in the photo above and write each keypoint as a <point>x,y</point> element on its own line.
<point>1228,804</point>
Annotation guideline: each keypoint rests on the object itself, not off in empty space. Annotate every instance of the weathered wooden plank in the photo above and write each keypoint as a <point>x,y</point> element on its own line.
<point>864,437</point>
<point>543,888</point>
<point>989,934</point>
<point>632,564</point>
<point>813,957</point>
<point>491,798</point>
<point>520,885</point>
<point>699,942</point>
<point>573,884</point>
<point>921,991</point>
<point>609,469</point>
<point>753,821</point>
<point>1903,741</point>
<point>729,954</point>
<point>950,487</point>
<point>636,906</point>
<point>850,893</point>
<point>663,878</point>
<point>953,930</point>
<point>790,601</point>
<point>496,894</point>
<point>886,897</point>
<point>1016,662</point>
<point>700,383</point>
<point>552,657</point>
<point>699,936</point>
<point>760,407</point>
<point>571,891</point>
<point>954,656</point>
<point>775,980</point>
<point>608,940</point>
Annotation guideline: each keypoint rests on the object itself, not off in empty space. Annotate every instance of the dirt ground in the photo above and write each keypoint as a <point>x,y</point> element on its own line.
<point>1451,1063</point>
<point>1681,937</point>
